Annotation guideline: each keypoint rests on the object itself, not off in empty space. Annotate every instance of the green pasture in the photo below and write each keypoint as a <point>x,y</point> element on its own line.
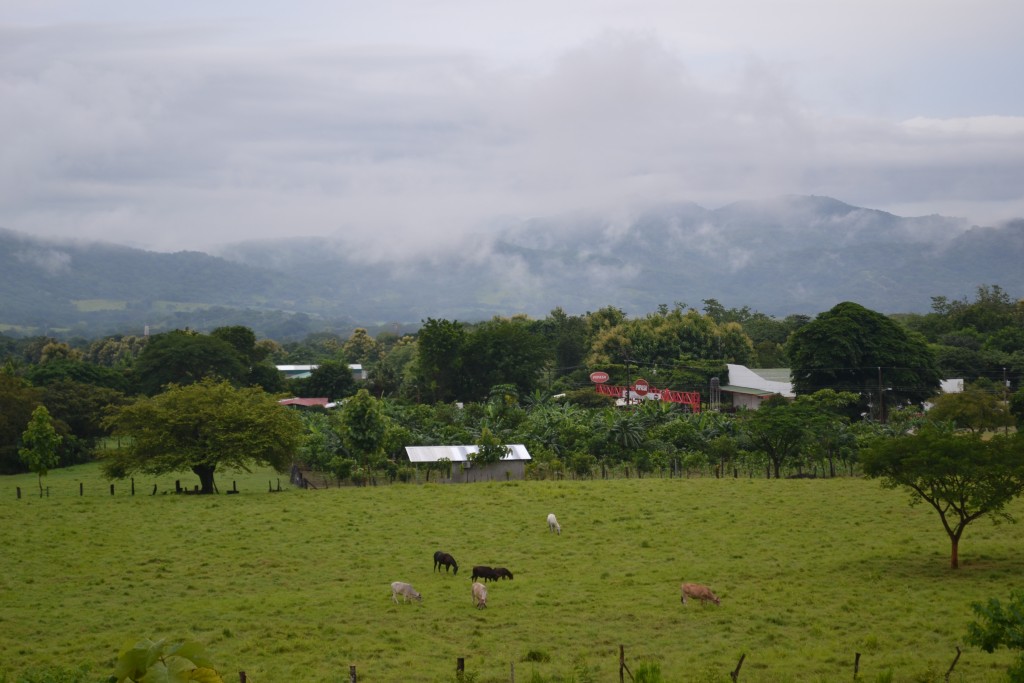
<point>93,305</point>
<point>294,586</point>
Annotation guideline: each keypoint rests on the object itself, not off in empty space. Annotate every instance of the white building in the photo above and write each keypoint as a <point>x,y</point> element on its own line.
<point>512,466</point>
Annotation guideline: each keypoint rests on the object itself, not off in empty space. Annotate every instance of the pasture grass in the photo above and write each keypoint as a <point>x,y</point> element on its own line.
<point>94,305</point>
<point>294,586</point>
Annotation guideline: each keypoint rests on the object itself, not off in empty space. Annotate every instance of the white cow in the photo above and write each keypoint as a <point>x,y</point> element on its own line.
<point>479,595</point>
<point>405,590</point>
<point>553,524</point>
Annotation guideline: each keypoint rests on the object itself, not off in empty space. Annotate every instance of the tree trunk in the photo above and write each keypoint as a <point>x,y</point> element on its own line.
<point>205,474</point>
<point>954,555</point>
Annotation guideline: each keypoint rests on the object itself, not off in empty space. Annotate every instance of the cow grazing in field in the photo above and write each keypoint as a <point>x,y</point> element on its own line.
<point>553,524</point>
<point>502,573</point>
<point>442,559</point>
<point>405,590</point>
<point>485,573</point>
<point>698,592</point>
<point>479,595</point>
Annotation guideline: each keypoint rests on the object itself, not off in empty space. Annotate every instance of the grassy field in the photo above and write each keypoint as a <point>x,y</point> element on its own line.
<point>294,586</point>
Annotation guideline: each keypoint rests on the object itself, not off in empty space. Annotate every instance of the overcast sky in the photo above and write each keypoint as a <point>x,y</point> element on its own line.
<point>400,124</point>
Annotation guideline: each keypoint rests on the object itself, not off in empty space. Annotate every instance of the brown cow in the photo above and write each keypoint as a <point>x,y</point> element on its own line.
<point>698,592</point>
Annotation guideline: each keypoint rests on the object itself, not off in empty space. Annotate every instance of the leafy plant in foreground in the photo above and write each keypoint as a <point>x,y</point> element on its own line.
<point>1000,626</point>
<point>148,661</point>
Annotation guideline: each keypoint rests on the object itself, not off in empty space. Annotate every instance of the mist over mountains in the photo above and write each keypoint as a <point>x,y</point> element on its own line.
<point>794,254</point>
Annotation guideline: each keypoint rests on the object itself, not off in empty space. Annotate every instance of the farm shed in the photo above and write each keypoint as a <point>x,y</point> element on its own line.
<point>512,466</point>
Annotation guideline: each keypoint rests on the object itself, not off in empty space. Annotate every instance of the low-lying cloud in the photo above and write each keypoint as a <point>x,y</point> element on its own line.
<point>170,140</point>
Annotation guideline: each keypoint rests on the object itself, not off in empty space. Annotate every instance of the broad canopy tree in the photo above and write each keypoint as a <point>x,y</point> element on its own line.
<point>202,427</point>
<point>851,348</point>
<point>963,477</point>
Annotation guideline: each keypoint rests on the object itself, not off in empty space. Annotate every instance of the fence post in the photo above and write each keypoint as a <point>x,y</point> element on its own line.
<point>622,665</point>
<point>856,664</point>
<point>154,490</point>
<point>111,489</point>
<point>735,675</point>
<point>352,673</point>
<point>81,489</point>
<point>512,672</point>
<point>955,659</point>
<point>460,668</point>
<point>19,492</point>
<point>241,677</point>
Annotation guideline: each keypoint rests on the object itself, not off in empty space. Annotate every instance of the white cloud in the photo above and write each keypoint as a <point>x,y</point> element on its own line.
<point>406,126</point>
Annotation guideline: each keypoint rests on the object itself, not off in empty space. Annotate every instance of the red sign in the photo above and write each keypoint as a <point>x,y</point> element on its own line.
<point>641,387</point>
<point>599,377</point>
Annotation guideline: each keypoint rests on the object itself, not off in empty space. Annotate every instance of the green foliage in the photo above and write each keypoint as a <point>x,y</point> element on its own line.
<point>972,409</point>
<point>18,400</point>
<point>489,449</point>
<point>184,357</point>
<point>331,379</point>
<point>438,365</point>
<point>147,661</point>
<point>962,477</point>
<point>850,348</point>
<point>364,427</point>
<point>998,626</point>
<point>40,443</point>
<point>201,427</point>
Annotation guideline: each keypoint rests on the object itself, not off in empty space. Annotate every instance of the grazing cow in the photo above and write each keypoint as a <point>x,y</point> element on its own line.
<point>405,590</point>
<point>698,592</point>
<point>553,524</point>
<point>445,560</point>
<point>502,573</point>
<point>485,573</point>
<point>479,595</point>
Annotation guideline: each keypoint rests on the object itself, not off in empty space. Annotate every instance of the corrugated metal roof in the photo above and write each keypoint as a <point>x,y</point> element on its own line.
<point>459,453</point>
<point>748,391</point>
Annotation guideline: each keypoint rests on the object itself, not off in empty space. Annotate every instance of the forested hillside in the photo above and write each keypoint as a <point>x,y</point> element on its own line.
<point>793,255</point>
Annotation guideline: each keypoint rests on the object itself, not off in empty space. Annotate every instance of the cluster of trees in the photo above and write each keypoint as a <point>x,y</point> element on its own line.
<point>860,377</point>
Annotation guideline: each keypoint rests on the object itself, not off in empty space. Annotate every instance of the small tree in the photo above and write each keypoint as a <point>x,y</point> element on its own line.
<point>962,476</point>
<point>489,449</point>
<point>41,441</point>
<point>1001,627</point>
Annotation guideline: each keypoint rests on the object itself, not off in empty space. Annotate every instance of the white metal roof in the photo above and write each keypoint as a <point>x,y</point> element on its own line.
<point>459,453</point>
<point>742,376</point>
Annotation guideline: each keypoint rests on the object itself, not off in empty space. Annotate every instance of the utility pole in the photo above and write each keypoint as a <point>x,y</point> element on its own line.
<point>881,397</point>
<point>1006,400</point>
<point>628,383</point>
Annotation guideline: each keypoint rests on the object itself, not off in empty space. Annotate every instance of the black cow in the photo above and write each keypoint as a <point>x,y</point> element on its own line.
<point>503,573</point>
<point>485,573</point>
<point>445,560</point>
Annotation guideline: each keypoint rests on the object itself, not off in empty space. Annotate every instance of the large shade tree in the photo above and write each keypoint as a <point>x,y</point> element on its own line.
<point>184,357</point>
<point>963,477</point>
<point>202,427</point>
<point>851,348</point>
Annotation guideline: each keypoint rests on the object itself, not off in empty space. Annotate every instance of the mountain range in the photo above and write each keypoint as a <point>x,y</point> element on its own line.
<point>793,254</point>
